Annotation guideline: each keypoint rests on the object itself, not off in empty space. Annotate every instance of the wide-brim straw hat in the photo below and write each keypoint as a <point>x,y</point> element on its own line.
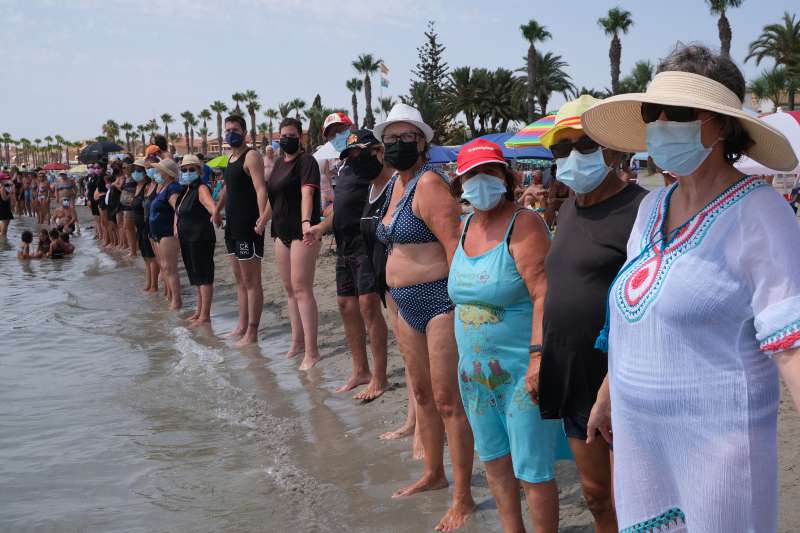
<point>404,113</point>
<point>140,163</point>
<point>617,123</point>
<point>168,166</point>
<point>568,117</point>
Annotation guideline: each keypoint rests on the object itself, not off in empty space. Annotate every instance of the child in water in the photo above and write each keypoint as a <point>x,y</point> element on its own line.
<point>58,248</point>
<point>25,247</point>
<point>43,247</point>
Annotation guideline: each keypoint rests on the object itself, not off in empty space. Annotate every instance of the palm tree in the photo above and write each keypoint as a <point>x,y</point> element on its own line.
<point>219,108</point>
<point>638,79</point>
<point>618,21</point>
<point>533,33</point>
<point>205,115</point>
<point>297,104</point>
<point>386,104</point>
<point>354,85</point>
<point>238,98</point>
<point>192,125</point>
<point>110,130</point>
<point>781,42</point>
<point>252,107</point>
<point>37,149</point>
<point>551,78</point>
<point>284,109</point>
<point>204,132</point>
<point>271,115</point>
<point>772,85</point>
<point>48,148</point>
<point>61,143</point>
<point>188,118</point>
<point>167,119</point>
<point>263,129</point>
<point>367,65</point>
<point>174,137</point>
<point>719,7</point>
<point>142,129</point>
<point>6,138</point>
<point>127,128</point>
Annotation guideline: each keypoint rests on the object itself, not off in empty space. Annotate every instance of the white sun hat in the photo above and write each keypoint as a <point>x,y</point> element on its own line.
<point>404,113</point>
<point>617,122</point>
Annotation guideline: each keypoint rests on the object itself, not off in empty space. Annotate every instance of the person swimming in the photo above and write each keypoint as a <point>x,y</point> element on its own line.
<point>58,247</point>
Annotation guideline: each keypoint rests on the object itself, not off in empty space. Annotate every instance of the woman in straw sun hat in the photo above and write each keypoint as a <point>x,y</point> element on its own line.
<point>706,312</point>
<point>419,226</point>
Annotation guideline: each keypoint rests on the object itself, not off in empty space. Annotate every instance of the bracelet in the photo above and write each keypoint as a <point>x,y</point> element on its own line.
<point>535,348</point>
<point>304,221</point>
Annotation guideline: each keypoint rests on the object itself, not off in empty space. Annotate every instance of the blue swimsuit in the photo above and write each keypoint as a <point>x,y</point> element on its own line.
<point>417,304</point>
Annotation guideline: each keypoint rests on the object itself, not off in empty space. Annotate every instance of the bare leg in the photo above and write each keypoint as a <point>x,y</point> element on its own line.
<point>196,313</point>
<point>505,490</point>
<point>443,356</point>
<point>542,501</point>
<point>284,262</point>
<point>411,418</point>
<point>206,292</point>
<point>130,233</point>
<point>251,278</point>
<point>168,247</point>
<point>356,336</point>
<point>147,275</point>
<point>241,298</point>
<point>304,264</point>
<point>370,309</point>
<point>594,468</point>
<point>414,347</point>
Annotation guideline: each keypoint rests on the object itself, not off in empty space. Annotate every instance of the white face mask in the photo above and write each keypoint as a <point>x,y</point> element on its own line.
<point>582,173</point>
<point>483,191</point>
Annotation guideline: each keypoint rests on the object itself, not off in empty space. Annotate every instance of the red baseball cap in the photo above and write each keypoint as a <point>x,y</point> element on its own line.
<point>336,118</point>
<point>476,153</point>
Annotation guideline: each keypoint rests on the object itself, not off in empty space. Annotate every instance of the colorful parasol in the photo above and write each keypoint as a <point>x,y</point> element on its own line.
<point>219,161</point>
<point>530,134</point>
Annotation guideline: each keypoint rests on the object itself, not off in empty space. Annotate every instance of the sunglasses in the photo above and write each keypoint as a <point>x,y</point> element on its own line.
<point>583,145</point>
<point>651,112</point>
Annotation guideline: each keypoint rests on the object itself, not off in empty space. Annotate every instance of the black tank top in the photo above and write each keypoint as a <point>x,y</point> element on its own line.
<point>147,200</point>
<point>137,206</point>
<point>194,221</point>
<point>241,205</point>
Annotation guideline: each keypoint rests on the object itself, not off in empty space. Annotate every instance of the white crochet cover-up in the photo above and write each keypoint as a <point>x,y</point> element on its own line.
<point>694,391</point>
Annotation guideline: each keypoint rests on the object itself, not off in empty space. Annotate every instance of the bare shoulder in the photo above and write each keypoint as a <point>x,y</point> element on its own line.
<point>253,156</point>
<point>529,225</point>
<point>432,181</point>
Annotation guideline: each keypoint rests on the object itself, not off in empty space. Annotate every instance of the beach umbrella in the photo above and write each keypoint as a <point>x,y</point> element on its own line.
<point>522,152</point>
<point>788,123</point>
<point>221,161</point>
<point>531,134</point>
<point>55,166</point>
<point>438,155</point>
<point>96,150</point>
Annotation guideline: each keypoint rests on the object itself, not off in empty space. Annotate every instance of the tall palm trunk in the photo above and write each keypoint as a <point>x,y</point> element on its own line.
<point>186,136</point>
<point>253,128</point>
<point>191,133</point>
<point>219,131</point>
<point>166,131</point>
<point>354,101</point>
<point>531,83</point>
<point>724,28</point>
<point>543,101</point>
<point>615,56</point>
<point>369,120</point>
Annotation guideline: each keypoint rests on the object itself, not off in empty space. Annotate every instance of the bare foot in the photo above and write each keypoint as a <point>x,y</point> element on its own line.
<point>250,338</point>
<point>456,516</point>
<point>373,390</point>
<point>152,289</point>
<point>193,317</point>
<point>426,482</point>
<point>355,381</point>
<point>309,361</point>
<point>238,332</point>
<point>196,323</point>
<point>296,348</point>
<point>400,433</point>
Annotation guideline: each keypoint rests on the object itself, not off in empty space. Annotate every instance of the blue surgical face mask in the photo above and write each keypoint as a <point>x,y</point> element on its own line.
<point>234,138</point>
<point>137,175</point>
<point>339,141</point>
<point>483,191</point>
<point>582,173</point>
<point>158,178</point>
<point>188,178</point>
<point>151,173</point>
<point>676,146</point>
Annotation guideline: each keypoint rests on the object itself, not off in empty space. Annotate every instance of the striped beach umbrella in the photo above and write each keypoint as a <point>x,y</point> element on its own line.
<point>531,134</point>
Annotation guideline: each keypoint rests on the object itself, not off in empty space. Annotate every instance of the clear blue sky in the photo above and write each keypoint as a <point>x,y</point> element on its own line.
<point>69,65</point>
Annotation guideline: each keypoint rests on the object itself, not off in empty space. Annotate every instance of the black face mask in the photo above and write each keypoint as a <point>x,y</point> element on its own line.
<point>366,166</point>
<point>290,145</point>
<point>401,155</point>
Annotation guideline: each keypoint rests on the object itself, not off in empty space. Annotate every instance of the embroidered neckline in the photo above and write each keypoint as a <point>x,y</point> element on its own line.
<point>639,286</point>
<point>670,517</point>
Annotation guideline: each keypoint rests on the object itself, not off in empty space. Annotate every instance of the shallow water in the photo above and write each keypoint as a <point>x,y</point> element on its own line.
<point>116,418</point>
